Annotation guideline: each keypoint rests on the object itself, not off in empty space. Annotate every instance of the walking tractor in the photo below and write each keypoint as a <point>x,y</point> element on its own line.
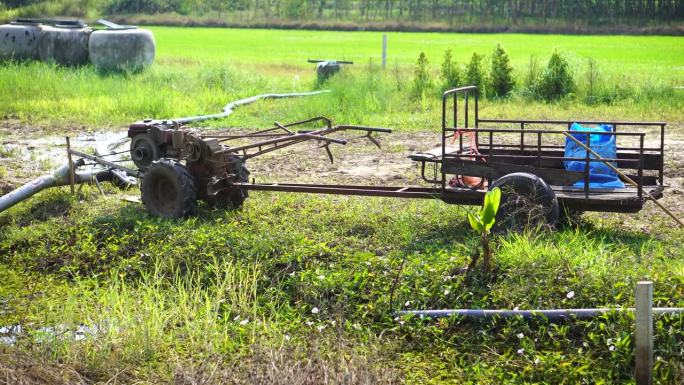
<point>546,169</point>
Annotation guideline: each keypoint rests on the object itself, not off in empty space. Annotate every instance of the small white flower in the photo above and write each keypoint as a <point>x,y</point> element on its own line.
<point>396,318</point>
<point>237,318</point>
<point>287,337</point>
<point>368,263</point>
<point>356,326</point>
<point>446,292</point>
<point>521,351</point>
<point>516,308</point>
<point>321,277</point>
<point>537,361</point>
<point>309,323</point>
<point>570,295</point>
<point>314,310</point>
<point>292,274</point>
<point>611,347</point>
<point>520,336</point>
<point>244,322</point>
<point>320,328</point>
<point>609,342</point>
<point>407,303</point>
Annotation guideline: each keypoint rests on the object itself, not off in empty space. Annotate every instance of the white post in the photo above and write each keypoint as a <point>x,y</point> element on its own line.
<point>643,301</point>
<point>384,51</point>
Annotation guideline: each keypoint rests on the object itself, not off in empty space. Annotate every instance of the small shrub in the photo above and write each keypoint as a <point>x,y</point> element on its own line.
<point>501,81</point>
<point>474,74</point>
<point>449,73</point>
<point>422,80</point>
<point>556,81</point>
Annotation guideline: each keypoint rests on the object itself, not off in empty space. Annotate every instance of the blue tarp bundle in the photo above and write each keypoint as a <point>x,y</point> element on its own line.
<point>600,175</point>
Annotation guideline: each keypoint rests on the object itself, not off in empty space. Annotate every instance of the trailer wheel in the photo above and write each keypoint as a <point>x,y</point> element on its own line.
<point>234,197</point>
<point>526,202</point>
<point>168,190</point>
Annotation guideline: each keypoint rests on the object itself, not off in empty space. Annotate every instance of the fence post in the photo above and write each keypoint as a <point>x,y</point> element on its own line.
<point>384,51</point>
<point>643,301</point>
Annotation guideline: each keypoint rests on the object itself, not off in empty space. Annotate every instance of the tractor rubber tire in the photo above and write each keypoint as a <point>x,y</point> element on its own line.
<point>168,190</point>
<point>527,201</point>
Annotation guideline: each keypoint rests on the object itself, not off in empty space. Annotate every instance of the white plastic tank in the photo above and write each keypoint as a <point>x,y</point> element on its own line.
<point>66,45</point>
<point>122,48</point>
<point>19,40</point>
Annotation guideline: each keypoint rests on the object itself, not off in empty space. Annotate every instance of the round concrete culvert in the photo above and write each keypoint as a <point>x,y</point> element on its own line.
<point>122,49</point>
<point>19,41</point>
<point>64,45</point>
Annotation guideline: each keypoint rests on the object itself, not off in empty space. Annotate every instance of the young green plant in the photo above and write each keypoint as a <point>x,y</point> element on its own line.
<point>483,222</point>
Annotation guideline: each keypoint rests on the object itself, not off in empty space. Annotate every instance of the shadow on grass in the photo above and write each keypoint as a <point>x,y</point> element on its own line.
<point>40,211</point>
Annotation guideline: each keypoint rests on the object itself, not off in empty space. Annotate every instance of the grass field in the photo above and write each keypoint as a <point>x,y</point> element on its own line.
<point>296,288</point>
<point>201,69</point>
<point>642,56</point>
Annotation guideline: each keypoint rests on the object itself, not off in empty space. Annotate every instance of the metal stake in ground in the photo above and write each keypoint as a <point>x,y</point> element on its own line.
<point>643,335</point>
<point>628,179</point>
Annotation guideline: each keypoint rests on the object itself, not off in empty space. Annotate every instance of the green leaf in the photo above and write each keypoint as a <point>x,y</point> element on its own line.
<point>475,223</point>
<point>491,206</point>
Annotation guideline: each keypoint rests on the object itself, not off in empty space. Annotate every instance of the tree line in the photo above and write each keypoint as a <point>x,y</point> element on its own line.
<point>452,12</point>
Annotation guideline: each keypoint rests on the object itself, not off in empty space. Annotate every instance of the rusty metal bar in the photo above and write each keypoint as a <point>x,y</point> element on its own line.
<point>661,173</point>
<point>572,121</point>
<point>98,159</point>
<point>586,166</point>
<point>71,165</point>
<point>559,132</point>
<point>641,167</point>
<point>375,191</point>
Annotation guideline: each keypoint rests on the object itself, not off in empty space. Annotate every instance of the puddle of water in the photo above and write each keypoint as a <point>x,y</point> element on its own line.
<point>29,156</point>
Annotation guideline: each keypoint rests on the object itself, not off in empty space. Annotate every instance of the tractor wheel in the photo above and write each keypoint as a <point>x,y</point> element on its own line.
<point>144,151</point>
<point>234,197</point>
<point>526,202</point>
<point>168,190</point>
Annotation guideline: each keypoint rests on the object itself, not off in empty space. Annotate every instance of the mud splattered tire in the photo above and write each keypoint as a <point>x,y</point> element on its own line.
<point>168,190</point>
<point>526,202</point>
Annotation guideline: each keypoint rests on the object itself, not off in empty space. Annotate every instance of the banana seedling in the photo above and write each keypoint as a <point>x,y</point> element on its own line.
<point>483,222</point>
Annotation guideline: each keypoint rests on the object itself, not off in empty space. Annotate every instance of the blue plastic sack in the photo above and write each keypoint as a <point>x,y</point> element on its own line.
<point>600,175</point>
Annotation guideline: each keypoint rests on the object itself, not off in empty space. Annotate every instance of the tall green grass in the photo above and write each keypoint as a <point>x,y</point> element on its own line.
<point>297,271</point>
<point>199,70</point>
<point>56,98</point>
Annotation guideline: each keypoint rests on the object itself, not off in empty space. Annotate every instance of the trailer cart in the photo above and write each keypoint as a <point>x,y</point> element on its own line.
<point>180,165</point>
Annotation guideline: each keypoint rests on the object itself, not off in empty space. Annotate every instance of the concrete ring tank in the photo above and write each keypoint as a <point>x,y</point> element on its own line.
<point>119,49</point>
<point>19,40</point>
<point>65,45</point>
